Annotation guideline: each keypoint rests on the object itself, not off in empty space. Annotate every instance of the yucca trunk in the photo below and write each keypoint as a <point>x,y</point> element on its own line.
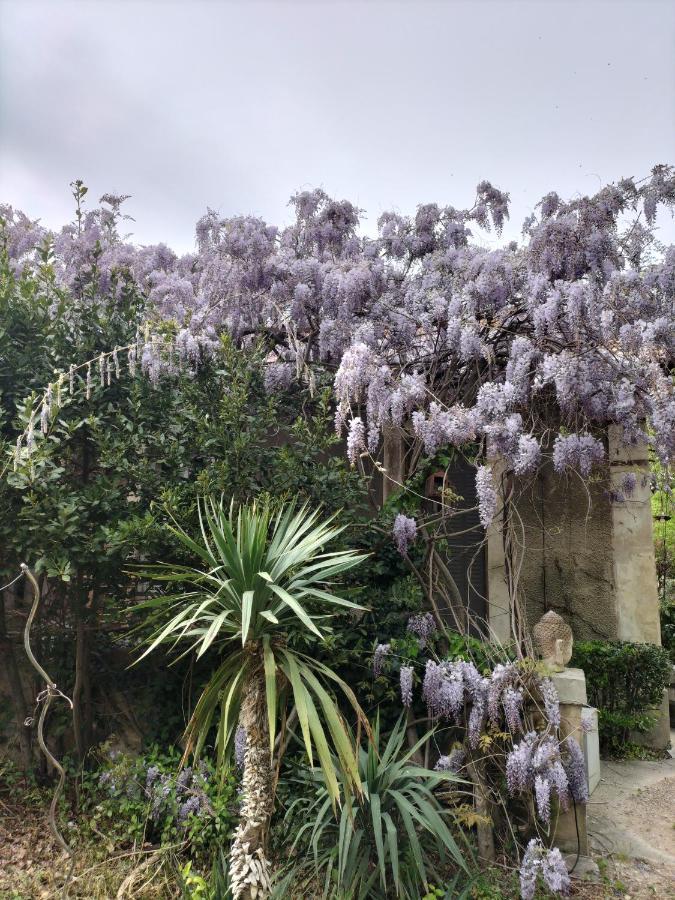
<point>249,866</point>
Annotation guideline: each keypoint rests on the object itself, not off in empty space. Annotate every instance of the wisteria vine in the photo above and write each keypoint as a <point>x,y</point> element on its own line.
<point>528,349</point>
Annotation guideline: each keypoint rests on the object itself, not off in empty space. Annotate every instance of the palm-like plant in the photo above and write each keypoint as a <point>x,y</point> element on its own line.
<point>265,578</point>
<point>388,839</point>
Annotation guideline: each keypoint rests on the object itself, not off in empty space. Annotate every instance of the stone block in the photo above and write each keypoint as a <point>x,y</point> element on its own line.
<point>571,686</point>
<point>590,744</point>
<point>658,736</point>
<point>570,829</point>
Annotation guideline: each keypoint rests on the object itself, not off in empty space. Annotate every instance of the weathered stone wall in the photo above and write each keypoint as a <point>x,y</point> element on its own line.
<point>588,552</point>
<point>568,563</point>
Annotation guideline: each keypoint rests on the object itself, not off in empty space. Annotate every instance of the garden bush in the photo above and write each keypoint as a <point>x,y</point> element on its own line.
<point>624,681</point>
<point>133,800</point>
<point>391,842</point>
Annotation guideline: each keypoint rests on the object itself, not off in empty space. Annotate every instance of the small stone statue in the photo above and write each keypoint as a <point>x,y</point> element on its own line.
<point>553,640</point>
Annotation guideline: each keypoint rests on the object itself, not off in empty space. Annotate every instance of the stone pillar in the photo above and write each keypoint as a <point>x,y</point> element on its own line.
<point>571,834</point>
<point>636,597</point>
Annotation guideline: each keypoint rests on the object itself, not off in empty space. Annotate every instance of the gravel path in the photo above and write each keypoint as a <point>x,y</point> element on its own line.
<point>631,824</point>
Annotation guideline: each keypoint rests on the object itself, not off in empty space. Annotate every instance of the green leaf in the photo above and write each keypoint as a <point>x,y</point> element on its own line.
<point>246,612</point>
<point>291,602</point>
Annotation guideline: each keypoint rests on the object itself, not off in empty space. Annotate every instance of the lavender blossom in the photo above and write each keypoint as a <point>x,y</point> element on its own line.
<point>488,501</point>
<point>406,679</point>
<point>356,439</point>
<point>512,699</point>
<point>423,626</point>
<point>542,793</point>
<point>551,701</point>
<point>453,762</point>
<point>405,532</point>
<point>575,767</point>
<point>381,652</point>
<point>549,863</point>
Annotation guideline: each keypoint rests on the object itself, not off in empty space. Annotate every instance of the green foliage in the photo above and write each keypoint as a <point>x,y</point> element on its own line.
<point>136,799</point>
<point>264,586</point>
<point>92,502</point>
<point>391,842</point>
<point>624,681</point>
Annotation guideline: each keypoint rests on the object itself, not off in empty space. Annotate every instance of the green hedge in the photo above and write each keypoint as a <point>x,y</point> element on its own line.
<point>624,680</point>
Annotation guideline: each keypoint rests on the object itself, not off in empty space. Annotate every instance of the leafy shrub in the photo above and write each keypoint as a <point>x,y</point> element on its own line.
<point>392,840</point>
<point>624,681</point>
<point>135,799</point>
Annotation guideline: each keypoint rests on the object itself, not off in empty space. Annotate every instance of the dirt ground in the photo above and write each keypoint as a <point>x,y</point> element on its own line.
<point>631,820</point>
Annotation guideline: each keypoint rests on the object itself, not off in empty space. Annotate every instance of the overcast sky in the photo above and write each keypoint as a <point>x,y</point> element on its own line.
<point>236,105</point>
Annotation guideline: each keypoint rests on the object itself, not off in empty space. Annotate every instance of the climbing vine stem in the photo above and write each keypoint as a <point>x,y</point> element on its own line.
<point>44,701</point>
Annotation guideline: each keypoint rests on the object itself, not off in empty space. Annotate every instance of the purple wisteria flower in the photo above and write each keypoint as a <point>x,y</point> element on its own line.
<point>549,863</point>
<point>542,793</point>
<point>628,484</point>
<point>404,532</point>
<point>406,679</point>
<point>535,764</point>
<point>512,700</point>
<point>423,626</point>
<point>577,451</point>
<point>501,678</point>
<point>356,440</point>
<point>551,701</point>
<point>575,768</point>
<point>488,501</point>
<point>381,652</point>
<point>453,762</point>
<point>190,807</point>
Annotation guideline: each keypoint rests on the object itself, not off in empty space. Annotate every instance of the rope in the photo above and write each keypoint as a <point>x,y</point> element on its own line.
<point>13,581</point>
<point>45,698</point>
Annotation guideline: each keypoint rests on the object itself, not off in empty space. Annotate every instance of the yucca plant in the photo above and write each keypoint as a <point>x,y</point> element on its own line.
<point>388,840</point>
<point>264,581</point>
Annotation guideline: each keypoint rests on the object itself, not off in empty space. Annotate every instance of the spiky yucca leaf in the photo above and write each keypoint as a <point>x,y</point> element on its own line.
<point>385,842</point>
<point>264,577</point>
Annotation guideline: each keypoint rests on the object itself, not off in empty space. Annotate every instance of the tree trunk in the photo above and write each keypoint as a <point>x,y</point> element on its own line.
<point>16,688</point>
<point>82,686</point>
<point>249,866</point>
<point>484,827</point>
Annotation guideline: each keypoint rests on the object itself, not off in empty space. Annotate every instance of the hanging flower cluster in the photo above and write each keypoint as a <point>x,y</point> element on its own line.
<point>547,863</point>
<point>423,626</point>
<point>509,718</point>
<point>404,532</point>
